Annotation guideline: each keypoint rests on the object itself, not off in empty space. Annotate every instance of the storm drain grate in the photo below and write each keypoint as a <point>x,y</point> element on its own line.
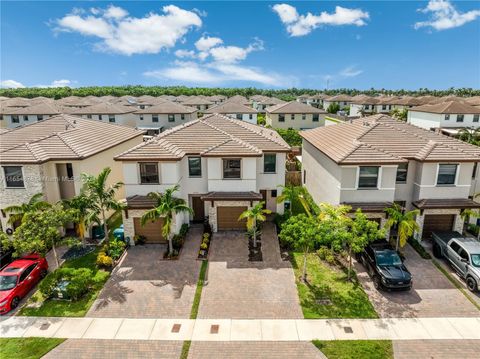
<point>45,326</point>
<point>214,329</point>
<point>348,330</point>
<point>176,328</point>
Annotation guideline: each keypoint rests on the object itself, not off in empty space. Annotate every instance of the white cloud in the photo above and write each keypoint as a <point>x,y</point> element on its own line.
<point>205,43</point>
<point>184,53</point>
<point>11,84</point>
<point>445,16</point>
<point>127,35</point>
<point>58,83</point>
<point>300,25</point>
<point>350,71</point>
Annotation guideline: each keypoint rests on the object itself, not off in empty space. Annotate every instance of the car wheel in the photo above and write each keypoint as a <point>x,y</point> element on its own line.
<point>377,283</point>
<point>14,303</point>
<point>471,284</point>
<point>43,273</point>
<point>437,252</point>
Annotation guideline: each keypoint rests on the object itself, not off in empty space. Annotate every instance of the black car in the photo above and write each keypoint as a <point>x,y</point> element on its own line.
<point>385,267</point>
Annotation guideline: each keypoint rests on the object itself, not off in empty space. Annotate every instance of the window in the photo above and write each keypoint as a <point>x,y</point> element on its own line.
<point>292,117</point>
<point>460,118</point>
<point>281,117</point>
<point>384,107</point>
<point>402,173</point>
<point>273,193</point>
<point>39,117</point>
<point>367,107</point>
<point>111,118</point>
<point>69,171</point>
<point>15,119</point>
<point>182,116</point>
<point>149,173</point>
<point>463,254</point>
<point>315,117</point>
<point>89,116</point>
<point>476,118</point>
<point>368,177</point>
<point>13,176</point>
<point>455,247</point>
<point>304,116</point>
<point>171,117</point>
<point>141,117</point>
<point>447,117</point>
<point>269,163</point>
<point>154,118</point>
<point>446,174</point>
<point>194,166</point>
<point>238,116</point>
<point>27,272</point>
<point>25,117</point>
<point>231,168</point>
<point>250,116</point>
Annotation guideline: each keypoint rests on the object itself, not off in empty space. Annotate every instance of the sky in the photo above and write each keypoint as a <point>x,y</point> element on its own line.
<point>323,44</point>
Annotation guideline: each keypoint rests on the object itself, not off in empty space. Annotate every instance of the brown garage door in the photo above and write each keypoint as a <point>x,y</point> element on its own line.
<point>151,230</point>
<point>227,218</point>
<point>437,223</point>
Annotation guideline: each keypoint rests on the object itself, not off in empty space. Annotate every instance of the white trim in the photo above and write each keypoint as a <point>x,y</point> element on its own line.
<point>457,171</point>
<point>439,186</point>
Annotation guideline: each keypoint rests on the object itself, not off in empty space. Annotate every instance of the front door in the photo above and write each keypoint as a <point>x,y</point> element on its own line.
<point>198,209</point>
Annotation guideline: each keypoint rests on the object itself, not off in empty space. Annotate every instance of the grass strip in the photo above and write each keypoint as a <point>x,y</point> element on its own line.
<point>27,348</point>
<point>185,349</point>
<point>355,349</point>
<point>198,291</point>
<point>455,282</point>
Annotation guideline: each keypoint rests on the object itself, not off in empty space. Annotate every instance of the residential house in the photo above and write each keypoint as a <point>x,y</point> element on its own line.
<point>235,110</point>
<point>261,104</point>
<point>372,162</point>
<point>294,115</point>
<point>448,117</point>
<point>49,156</point>
<point>157,118</point>
<point>109,112</point>
<point>239,99</point>
<point>199,102</point>
<point>18,116</point>
<point>362,105</point>
<point>223,167</point>
<point>343,101</point>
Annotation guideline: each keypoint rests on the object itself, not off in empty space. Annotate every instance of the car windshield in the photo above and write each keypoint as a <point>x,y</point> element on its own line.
<point>476,260</point>
<point>388,258</point>
<point>8,282</point>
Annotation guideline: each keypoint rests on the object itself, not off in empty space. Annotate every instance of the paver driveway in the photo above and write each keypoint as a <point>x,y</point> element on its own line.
<point>432,294</point>
<point>145,286</point>
<point>240,289</point>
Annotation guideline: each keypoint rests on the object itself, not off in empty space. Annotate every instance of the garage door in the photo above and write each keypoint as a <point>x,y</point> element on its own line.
<point>227,218</point>
<point>151,230</point>
<point>437,223</point>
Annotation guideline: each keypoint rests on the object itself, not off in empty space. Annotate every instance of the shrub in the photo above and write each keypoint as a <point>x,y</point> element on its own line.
<point>473,228</point>
<point>323,252</point>
<point>80,280</point>
<point>177,241</point>
<point>204,245</point>
<point>103,260</point>
<point>184,230</point>
<point>115,248</point>
<point>333,108</point>
<point>139,239</point>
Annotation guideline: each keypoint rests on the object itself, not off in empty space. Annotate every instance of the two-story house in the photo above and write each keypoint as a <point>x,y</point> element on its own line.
<point>223,167</point>
<point>49,156</point>
<point>15,117</point>
<point>201,103</point>
<point>372,162</point>
<point>362,105</point>
<point>343,101</point>
<point>235,110</point>
<point>451,115</point>
<point>262,103</point>
<point>296,115</point>
<point>108,112</point>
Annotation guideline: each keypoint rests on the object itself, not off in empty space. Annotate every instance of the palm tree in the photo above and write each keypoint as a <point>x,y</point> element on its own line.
<point>101,196</point>
<point>167,206</point>
<point>17,212</point>
<point>254,215</point>
<point>85,213</point>
<point>469,135</point>
<point>407,225</point>
<point>292,194</point>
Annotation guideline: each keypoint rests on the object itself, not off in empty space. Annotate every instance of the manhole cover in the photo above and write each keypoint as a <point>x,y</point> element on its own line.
<point>176,328</point>
<point>214,329</point>
<point>348,330</point>
<point>45,326</point>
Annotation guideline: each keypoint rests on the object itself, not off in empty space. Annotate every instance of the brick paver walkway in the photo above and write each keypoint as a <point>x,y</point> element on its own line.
<point>239,289</point>
<point>145,286</point>
<point>436,349</point>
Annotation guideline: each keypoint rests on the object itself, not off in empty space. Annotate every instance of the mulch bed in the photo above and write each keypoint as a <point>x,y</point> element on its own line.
<point>77,252</point>
<point>255,253</point>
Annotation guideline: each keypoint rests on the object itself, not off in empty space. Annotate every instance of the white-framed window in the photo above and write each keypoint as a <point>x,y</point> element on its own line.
<point>460,118</point>
<point>447,117</point>
<point>269,163</point>
<point>171,117</point>
<point>476,118</point>
<point>402,171</point>
<point>281,117</point>
<point>154,118</point>
<point>368,176</point>
<point>447,174</point>
<point>195,166</point>
<point>111,118</point>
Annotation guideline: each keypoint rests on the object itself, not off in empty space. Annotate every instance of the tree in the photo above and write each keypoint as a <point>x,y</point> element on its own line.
<point>469,135</point>
<point>405,222</point>
<point>362,231</point>
<point>40,231</point>
<point>334,224</point>
<point>17,212</point>
<point>399,114</point>
<point>166,207</point>
<point>86,213</point>
<point>290,135</point>
<point>290,194</point>
<point>333,108</point>
<point>302,233</point>
<point>254,215</point>
<point>101,196</point>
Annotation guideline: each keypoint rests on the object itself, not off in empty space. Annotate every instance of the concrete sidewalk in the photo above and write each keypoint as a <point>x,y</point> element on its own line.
<point>242,329</point>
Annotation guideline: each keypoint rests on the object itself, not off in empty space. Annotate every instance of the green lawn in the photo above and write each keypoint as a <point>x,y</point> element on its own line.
<point>348,300</point>
<point>60,308</point>
<point>27,348</point>
<point>356,349</point>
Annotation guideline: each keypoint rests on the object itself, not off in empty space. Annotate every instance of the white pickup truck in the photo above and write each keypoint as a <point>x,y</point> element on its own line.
<point>463,254</point>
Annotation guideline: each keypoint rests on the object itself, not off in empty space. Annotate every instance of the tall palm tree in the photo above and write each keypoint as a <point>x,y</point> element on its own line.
<point>405,221</point>
<point>35,203</point>
<point>101,195</point>
<point>254,215</point>
<point>167,206</point>
<point>469,135</point>
<point>86,215</point>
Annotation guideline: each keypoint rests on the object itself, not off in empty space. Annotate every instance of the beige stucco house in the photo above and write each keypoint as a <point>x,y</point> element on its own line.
<point>296,115</point>
<point>375,161</point>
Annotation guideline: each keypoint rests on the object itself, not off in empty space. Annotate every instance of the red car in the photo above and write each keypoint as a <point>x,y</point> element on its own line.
<point>18,278</point>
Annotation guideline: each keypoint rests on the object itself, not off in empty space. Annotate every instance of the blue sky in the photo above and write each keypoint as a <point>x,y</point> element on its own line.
<point>361,44</point>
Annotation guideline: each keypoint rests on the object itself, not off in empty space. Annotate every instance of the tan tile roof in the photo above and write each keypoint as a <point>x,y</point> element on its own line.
<point>294,107</point>
<point>211,135</point>
<point>17,102</point>
<point>61,137</point>
<point>230,107</point>
<point>341,98</point>
<point>271,101</point>
<point>238,99</point>
<point>104,108</point>
<point>474,101</point>
<point>196,100</point>
<point>167,107</point>
<point>449,107</point>
<point>42,108</point>
<point>380,139</point>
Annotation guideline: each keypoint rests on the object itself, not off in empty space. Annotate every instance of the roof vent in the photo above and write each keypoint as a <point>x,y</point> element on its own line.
<point>366,123</point>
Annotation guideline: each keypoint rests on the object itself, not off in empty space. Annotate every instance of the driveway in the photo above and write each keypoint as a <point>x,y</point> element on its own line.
<point>240,289</point>
<point>146,286</point>
<point>432,295</point>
